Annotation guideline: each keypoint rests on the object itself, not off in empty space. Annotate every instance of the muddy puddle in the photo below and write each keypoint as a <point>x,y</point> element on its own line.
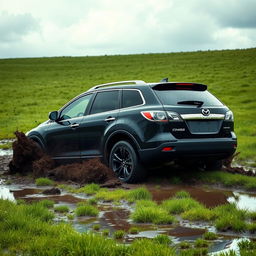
<point>116,217</point>
<point>5,151</point>
<point>209,197</point>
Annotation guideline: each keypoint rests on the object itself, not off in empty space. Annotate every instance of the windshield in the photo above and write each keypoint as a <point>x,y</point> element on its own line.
<point>187,97</point>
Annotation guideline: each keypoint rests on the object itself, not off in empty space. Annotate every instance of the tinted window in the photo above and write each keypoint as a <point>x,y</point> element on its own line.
<point>76,108</point>
<point>105,101</point>
<point>131,98</point>
<point>172,97</point>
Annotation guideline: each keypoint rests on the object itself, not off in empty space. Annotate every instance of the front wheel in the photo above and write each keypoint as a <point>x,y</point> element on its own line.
<point>124,162</point>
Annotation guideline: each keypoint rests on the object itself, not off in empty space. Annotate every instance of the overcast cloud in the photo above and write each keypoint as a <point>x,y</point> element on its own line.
<point>35,28</point>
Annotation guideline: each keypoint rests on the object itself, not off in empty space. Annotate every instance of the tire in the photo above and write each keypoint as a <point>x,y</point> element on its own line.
<point>124,161</point>
<point>213,165</point>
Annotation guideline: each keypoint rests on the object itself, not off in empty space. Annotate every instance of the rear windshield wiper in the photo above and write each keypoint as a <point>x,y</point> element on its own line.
<point>191,102</point>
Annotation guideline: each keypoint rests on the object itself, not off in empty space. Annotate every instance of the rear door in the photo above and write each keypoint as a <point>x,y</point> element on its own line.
<point>199,113</point>
<point>102,116</point>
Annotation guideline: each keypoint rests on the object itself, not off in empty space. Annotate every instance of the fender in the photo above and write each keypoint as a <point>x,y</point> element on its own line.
<point>36,137</point>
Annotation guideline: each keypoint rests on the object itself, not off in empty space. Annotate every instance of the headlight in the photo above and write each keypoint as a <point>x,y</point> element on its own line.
<point>229,116</point>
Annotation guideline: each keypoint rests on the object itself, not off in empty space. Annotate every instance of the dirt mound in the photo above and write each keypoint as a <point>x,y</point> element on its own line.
<point>25,152</point>
<point>86,172</point>
<point>29,158</point>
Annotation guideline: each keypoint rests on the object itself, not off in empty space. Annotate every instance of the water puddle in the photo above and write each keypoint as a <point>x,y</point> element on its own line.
<point>6,194</point>
<point>5,152</point>
<point>243,201</point>
<point>209,197</point>
<point>114,218</point>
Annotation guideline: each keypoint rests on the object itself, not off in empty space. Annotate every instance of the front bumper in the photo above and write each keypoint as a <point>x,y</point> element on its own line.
<point>218,148</point>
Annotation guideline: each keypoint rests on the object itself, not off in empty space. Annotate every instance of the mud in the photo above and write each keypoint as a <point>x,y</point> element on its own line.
<point>117,219</point>
<point>25,152</point>
<point>210,198</point>
<point>228,167</point>
<point>29,158</point>
<point>86,172</point>
<point>180,231</point>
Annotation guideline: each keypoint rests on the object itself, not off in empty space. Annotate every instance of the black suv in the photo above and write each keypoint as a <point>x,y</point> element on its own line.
<point>133,124</point>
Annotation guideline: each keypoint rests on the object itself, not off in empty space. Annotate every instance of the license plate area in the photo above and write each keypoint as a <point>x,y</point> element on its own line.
<point>204,126</point>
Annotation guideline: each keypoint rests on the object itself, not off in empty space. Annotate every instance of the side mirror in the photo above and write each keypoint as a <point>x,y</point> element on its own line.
<point>53,115</point>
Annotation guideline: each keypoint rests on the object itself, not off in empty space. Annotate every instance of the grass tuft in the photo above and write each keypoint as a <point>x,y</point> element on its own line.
<point>61,208</point>
<point>162,239</point>
<point>119,234</point>
<point>89,189</point>
<point>177,206</point>
<point>86,210</point>
<point>44,182</point>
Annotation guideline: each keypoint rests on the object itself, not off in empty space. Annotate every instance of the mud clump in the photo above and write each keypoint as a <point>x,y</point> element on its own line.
<point>86,172</point>
<point>29,158</point>
<point>25,152</point>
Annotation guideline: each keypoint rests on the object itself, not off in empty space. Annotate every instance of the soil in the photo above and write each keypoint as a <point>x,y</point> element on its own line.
<point>29,158</point>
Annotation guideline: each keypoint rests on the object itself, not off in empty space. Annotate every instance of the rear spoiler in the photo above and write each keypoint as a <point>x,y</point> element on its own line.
<point>179,86</point>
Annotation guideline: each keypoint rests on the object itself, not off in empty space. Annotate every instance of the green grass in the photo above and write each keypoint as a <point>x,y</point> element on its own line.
<point>61,209</point>
<point>162,239</point>
<point>96,227</point>
<point>46,203</point>
<point>182,194</point>
<point>121,194</point>
<point>228,217</point>
<point>151,214</point>
<point>119,234</point>
<point>86,210</point>
<point>199,214</point>
<point>201,243</point>
<point>177,206</point>
<point>40,85</point>
<point>133,230</point>
<point>89,189</point>
<point>44,182</point>
<point>139,194</point>
<point>210,236</point>
<point>227,179</point>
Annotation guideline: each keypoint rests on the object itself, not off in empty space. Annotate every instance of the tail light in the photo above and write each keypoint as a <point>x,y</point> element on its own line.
<point>161,116</point>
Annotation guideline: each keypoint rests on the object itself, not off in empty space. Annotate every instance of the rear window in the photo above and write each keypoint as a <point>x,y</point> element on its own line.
<point>180,97</point>
<point>131,98</point>
<point>105,101</point>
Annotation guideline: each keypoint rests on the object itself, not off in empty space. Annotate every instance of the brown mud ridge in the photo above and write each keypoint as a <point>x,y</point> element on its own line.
<point>227,166</point>
<point>29,158</point>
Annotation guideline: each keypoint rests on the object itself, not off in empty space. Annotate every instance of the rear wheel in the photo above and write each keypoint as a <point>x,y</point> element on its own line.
<point>124,162</point>
<point>213,165</point>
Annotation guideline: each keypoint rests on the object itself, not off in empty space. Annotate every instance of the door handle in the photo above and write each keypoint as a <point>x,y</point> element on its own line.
<point>74,125</point>
<point>109,119</point>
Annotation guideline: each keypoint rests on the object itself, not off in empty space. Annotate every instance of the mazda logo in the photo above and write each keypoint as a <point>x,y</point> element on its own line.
<point>206,111</point>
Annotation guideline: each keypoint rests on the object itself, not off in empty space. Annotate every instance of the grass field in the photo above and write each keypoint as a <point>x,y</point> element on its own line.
<point>30,88</point>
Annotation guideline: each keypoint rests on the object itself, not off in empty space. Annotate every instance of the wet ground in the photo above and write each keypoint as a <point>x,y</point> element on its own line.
<point>116,217</point>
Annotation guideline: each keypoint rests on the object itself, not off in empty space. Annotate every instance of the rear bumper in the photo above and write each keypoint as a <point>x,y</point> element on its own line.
<point>218,148</point>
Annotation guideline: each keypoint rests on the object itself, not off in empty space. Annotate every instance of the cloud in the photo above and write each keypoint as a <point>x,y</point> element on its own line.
<point>85,27</point>
<point>15,26</point>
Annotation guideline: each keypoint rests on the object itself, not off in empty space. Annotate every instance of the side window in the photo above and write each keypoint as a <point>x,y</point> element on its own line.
<point>76,108</point>
<point>105,101</point>
<point>131,98</point>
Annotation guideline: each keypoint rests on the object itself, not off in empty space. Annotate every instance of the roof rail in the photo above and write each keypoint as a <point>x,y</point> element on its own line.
<point>116,83</point>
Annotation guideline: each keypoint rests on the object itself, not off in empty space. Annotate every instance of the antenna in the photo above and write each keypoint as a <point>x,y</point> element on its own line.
<point>164,80</point>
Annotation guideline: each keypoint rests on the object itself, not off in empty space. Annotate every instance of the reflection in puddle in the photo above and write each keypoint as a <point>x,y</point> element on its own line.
<point>6,194</point>
<point>243,201</point>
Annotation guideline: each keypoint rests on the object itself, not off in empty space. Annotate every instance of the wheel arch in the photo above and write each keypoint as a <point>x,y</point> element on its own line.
<point>38,140</point>
<point>119,136</point>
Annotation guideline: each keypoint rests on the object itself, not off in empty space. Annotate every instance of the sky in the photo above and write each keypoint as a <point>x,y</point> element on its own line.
<point>42,28</point>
